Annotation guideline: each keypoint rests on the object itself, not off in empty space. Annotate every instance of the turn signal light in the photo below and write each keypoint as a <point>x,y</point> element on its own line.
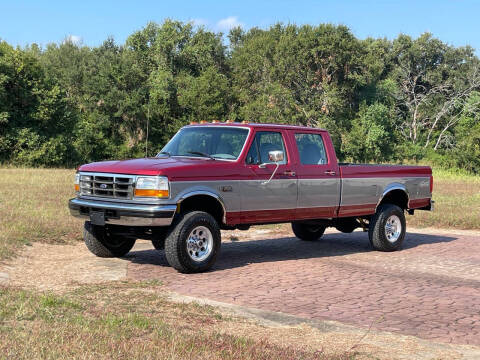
<point>77,187</point>
<point>150,192</point>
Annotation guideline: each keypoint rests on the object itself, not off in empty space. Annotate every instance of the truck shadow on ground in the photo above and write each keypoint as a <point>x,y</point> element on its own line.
<point>236,254</point>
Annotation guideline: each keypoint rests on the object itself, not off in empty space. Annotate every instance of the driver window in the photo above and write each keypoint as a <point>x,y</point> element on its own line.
<point>263,143</point>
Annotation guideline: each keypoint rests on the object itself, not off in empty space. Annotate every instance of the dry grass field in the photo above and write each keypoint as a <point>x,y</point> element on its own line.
<point>457,203</point>
<point>33,207</point>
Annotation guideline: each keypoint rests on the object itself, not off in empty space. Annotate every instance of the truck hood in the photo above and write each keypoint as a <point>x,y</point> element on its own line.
<point>176,168</point>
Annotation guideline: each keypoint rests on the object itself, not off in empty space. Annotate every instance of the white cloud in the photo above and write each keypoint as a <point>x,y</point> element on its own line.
<point>74,39</point>
<point>228,23</point>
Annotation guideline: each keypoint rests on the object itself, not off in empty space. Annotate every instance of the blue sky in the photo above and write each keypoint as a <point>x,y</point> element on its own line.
<point>26,22</point>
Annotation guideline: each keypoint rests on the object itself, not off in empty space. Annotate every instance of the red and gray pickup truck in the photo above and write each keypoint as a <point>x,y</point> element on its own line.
<point>230,176</point>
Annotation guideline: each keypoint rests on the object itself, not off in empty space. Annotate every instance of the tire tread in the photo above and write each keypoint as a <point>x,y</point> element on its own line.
<point>376,234</point>
<point>93,238</point>
<point>302,233</point>
<point>175,253</point>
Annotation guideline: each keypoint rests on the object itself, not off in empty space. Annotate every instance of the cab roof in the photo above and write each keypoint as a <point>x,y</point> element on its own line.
<point>257,125</point>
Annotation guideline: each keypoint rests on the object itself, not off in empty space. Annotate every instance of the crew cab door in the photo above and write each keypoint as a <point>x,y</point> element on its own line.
<point>318,175</point>
<point>264,200</point>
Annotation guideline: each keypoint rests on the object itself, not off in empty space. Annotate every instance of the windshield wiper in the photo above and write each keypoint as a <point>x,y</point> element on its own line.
<point>165,153</point>
<point>201,154</point>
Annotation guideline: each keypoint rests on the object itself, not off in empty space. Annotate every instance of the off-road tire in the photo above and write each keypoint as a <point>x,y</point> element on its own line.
<point>308,232</point>
<point>176,242</point>
<point>101,244</point>
<point>376,229</point>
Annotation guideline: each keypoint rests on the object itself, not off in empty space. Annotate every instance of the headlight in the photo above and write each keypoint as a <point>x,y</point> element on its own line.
<point>77,182</point>
<point>152,186</point>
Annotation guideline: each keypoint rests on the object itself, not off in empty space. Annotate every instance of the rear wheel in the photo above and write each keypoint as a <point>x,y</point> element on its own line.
<point>103,244</point>
<point>387,228</point>
<point>308,232</point>
<point>193,243</point>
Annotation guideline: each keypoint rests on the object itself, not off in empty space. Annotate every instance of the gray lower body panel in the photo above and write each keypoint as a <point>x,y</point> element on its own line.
<point>123,213</point>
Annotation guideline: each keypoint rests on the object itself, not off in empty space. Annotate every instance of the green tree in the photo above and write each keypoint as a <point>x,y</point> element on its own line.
<point>371,136</point>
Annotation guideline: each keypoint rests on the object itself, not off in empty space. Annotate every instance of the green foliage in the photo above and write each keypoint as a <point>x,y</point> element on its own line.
<point>406,99</point>
<point>371,136</point>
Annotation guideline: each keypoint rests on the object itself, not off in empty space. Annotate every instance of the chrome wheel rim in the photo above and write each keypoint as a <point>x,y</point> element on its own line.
<point>199,243</point>
<point>393,228</point>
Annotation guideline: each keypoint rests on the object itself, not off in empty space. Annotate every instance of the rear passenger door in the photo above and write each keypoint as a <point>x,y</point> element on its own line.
<point>277,199</point>
<point>318,178</point>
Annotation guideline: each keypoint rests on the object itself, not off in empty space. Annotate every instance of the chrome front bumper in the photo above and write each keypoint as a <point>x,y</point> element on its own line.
<point>124,213</point>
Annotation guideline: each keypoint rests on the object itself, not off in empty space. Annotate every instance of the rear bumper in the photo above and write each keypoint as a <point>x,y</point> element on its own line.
<point>127,214</point>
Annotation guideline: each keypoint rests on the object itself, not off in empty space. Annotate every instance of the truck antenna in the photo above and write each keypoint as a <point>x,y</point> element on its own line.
<point>146,139</point>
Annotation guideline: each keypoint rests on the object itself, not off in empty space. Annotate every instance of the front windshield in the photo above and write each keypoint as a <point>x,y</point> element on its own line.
<point>216,142</point>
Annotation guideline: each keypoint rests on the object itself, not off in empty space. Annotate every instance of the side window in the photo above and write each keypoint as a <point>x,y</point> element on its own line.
<point>263,143</point>
<point>311,149</point>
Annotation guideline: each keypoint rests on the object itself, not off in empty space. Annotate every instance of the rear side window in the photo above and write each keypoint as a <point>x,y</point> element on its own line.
<point>263,143</point>
<point>311,149</point>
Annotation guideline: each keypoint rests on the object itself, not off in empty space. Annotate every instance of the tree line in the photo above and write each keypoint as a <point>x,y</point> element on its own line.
<point>382,100</point>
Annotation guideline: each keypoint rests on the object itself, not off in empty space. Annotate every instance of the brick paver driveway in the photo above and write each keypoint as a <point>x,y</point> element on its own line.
<point>430,289</point>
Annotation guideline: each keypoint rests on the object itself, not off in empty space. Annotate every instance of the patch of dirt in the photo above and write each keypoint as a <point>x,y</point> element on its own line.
<point>61,267</point>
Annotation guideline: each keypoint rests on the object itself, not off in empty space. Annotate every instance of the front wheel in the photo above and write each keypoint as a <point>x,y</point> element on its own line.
<point>387,228</point>
<point>103,244</point>
<point>193,243</point>
<point>308,232</point>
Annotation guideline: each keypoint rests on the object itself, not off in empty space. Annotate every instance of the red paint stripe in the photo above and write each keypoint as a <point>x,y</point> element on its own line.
<point>418,203</point>
<point>356,210</point>
<point>315,213</point>
<point>260,216</point>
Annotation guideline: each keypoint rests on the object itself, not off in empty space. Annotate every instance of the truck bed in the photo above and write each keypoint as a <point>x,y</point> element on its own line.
<point>364,185</point>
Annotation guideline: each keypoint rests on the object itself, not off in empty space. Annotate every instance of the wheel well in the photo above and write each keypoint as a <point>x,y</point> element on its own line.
<point>205,203</point>
<point>396,197</point>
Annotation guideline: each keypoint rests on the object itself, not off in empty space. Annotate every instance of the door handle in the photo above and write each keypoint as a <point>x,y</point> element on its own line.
<point>330,172</point>
<point>289,173</point>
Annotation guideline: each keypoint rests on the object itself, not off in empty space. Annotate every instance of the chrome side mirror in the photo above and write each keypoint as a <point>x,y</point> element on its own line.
<point>276,157</point>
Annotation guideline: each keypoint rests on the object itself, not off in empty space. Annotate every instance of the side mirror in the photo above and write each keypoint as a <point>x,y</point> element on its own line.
<point>275,156</point>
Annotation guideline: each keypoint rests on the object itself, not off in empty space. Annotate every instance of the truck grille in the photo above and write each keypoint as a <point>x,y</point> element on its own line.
<point>107,185</point>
